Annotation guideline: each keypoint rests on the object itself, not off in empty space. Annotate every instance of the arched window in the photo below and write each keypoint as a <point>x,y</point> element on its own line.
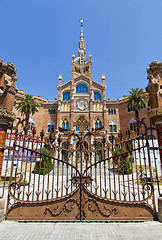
<point>51,127</point>
<point>132,124</point>
<point>31,124</point>
<point>151,137</point>
<point>97,96</point>
<point>111,111</point>
<point>65,124</point>
<point>81,88</point>
<point>112,127</point>
<point>130,109</point>
<point>98,123</point>
<point>51,111</point>
<point>66,96</point>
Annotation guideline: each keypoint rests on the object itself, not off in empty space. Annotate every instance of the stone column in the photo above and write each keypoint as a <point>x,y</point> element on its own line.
<point>7,95</point>
<point>154,88</point>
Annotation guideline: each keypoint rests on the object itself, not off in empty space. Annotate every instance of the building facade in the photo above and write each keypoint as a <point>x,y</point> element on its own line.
<point>82,96</point>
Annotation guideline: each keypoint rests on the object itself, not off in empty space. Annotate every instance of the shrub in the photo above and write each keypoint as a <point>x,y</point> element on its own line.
<point>122,160</point>
<point>46,163</point>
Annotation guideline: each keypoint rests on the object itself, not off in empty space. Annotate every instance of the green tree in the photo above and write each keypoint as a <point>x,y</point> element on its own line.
<point>122,161</point>
<point>27,106</point>
<point>45,165</point>
<point>136,100</point>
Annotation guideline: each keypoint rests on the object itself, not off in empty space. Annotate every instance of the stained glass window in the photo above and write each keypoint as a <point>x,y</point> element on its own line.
<point>97,96</point>
<point>81,88</point>
<point>98,123</point>
<point>65,124</point>
<point>66,96</point>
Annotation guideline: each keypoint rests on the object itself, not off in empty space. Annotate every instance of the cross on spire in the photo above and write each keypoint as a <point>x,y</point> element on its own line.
<point>81,31</point>
<point>81,21</point>
<point>82,123</point>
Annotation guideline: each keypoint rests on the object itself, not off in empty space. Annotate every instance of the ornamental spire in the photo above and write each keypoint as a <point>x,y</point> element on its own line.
<point>81,44</point>
<point>81,32</point>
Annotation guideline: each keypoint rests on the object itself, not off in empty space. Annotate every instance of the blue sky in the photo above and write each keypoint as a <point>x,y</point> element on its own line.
<point>39,37</point>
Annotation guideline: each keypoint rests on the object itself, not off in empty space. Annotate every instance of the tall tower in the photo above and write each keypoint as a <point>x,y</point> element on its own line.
<point>81,65</point>
<point>81,96</point>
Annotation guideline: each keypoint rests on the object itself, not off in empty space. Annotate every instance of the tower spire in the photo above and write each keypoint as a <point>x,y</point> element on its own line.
<point>81,31</point>
<point>81,65</point>
<point>81,44</point>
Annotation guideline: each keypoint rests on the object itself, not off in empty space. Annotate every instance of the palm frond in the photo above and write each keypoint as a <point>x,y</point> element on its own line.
<point>136,99</point>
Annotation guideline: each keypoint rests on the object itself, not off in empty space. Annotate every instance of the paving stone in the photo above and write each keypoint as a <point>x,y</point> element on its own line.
<point>80,231</point>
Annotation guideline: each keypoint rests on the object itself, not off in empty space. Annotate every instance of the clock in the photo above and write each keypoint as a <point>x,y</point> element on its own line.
<point>81,51</point>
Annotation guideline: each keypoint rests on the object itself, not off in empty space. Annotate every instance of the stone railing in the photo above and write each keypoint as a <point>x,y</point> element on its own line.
<point>97,106</point>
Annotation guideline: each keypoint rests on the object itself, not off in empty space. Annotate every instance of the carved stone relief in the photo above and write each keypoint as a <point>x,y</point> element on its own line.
<point>81,104</point>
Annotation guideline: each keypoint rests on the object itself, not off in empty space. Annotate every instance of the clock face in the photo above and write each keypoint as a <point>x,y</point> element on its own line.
<point>81,51</point>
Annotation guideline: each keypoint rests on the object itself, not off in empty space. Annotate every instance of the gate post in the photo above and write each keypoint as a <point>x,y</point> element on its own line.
<point>154,88</point>
<point>7,95</point>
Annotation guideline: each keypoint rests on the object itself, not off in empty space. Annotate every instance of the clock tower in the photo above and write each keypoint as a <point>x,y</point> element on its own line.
<point>81,65</point>
<point>81,96</point>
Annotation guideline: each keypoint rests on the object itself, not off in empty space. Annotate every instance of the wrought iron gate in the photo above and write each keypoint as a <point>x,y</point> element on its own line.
<point>81,176</point>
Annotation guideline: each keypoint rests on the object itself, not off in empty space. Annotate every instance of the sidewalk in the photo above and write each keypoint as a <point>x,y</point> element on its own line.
<point>80,231</point>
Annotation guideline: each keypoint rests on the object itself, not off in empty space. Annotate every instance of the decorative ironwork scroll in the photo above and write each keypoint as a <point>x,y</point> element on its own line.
<point>82,176</point>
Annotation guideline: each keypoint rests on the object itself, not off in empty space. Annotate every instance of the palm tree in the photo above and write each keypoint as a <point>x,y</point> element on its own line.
<point>136,100</point>
<point>27,106</point>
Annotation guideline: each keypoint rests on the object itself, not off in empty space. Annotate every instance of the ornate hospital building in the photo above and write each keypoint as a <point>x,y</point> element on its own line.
<point>82,96</point>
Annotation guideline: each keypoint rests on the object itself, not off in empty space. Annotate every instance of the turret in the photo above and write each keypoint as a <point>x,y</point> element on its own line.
<point>81,65</point>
